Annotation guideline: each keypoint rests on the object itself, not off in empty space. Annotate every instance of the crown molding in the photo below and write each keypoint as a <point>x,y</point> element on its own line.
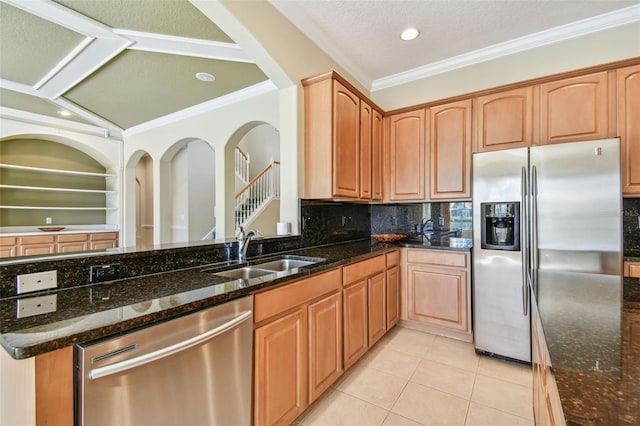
<point>214,104</point>
<point>57,124</point>
<point>554,35</point>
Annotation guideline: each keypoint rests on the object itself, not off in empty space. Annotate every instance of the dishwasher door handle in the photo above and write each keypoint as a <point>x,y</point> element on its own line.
<point>128,364</point>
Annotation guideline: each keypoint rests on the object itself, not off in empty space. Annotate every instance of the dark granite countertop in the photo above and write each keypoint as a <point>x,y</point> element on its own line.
<point>91,312</point>
<point>595,350</point>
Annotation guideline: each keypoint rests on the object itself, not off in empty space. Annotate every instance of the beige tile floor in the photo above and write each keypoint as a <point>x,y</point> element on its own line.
<point>416,378</point>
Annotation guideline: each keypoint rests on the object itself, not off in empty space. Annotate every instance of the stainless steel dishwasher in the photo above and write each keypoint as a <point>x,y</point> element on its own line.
<point>192,370</point>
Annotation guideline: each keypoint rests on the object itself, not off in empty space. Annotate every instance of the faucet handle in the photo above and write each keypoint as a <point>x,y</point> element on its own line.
<point>241,235</point>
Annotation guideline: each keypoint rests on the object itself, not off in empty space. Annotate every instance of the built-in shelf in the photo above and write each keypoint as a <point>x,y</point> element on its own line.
<point>46,188</point>
<point>59,171</point>
<point>58,208</point>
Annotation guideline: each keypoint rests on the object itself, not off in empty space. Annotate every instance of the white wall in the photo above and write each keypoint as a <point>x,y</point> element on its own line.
<point>202,189</point>
<point>179,221</point>
<point>221,127</point>
<point>17,391</point>
<point>263,145</point>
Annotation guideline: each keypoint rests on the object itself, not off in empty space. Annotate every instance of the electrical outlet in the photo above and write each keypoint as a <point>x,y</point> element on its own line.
<point>102,273</point>
<point>36,281</point>
<point>36,305</point>
<point>48,221</point>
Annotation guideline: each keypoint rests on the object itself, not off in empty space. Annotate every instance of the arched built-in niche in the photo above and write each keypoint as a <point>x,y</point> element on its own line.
<point>54,181</point>
<point>144,202</point>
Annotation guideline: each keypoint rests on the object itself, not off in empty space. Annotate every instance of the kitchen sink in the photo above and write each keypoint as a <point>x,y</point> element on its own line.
<point>244,273</point>
<point>274,266</point>
<point>289,262</point>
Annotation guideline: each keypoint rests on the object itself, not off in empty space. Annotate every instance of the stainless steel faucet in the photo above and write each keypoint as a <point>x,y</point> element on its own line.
<point>243,242</point>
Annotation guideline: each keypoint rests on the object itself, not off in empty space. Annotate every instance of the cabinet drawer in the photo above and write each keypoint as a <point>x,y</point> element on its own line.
<point>37,239</point>
<point>438,257</point>
<point>363,269</point>
<point>281,299</point>
<point>104,236</point>
<point>8,241</point>
<point>66,238</point>
<point>393,259</point>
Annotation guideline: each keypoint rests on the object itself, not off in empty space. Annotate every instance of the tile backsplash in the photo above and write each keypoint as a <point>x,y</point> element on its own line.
<point>406,218</point>
<point>631,226</point>
<point>331,222</point>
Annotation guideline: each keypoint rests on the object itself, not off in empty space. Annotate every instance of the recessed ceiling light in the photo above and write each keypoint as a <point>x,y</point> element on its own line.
<point>410,34</point>
<point>205,76</point>
<point>64,113</point>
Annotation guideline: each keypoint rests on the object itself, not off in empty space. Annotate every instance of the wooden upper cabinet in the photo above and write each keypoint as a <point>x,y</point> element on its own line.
<point>504,120</point>
<point>342,141</point>
<point>406,155</point>
<point>577,109</point>
<point>376,155</point>
<point>450,151</point>
<point>628,86</point>
<point>366,152</point>
<point>346,142</point>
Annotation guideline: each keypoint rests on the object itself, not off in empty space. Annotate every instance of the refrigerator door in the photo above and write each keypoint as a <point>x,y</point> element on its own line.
<point>500,309</point>
<point>579,203</point>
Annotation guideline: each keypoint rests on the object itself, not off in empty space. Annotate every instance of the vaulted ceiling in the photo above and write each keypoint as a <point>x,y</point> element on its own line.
<point>117,64</point>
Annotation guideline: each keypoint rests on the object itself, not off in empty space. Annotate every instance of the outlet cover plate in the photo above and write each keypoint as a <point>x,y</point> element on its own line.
<point>102,273</point>
<point>37,281</point>
<point>36,305</point>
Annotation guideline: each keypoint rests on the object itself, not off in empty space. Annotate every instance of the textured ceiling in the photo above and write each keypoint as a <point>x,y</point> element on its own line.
<point>115,64</point>
<point>121,63</point>
<point>364,36</point>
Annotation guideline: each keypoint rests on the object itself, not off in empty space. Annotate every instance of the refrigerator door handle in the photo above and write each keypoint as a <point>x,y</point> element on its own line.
<point>534,229</point>
<point>524,243</point>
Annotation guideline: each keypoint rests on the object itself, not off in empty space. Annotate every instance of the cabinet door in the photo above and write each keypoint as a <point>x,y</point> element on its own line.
<point>355,322</point>
<point>450,151</point>
<point>504,120</point>
<point>325,344</point>
<point>376,155</point>
<point>407,156</point>
<point>437,296</point>
<point>103,240</point>
<point>68,243</point>
<point>346,150</point>
<point>628,85</point>
<point>281,370</point>
<point>377,306</point>
<point>8,246</point>
<point>54,376</point>
<point>393,296</point>
<point>36,245</point>
<point>576,109</point>
<point>366,151</point>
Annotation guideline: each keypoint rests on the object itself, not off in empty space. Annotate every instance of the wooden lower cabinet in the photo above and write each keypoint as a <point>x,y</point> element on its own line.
<point>393,296</point>
<point>297,346</point>
<point>325,344</point>
<point>54,388</point>
<point>355,322</point>
<point>437,292</point>
<point>632,269</point>
<point>34,245</point>
<point>281,369</point>
<point>8,246</point>
<point>377,306</point>
<point>547,408</point>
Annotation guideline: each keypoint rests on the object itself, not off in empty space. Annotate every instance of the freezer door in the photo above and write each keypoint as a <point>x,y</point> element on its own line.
<point>501,322</point>
<point>578,197</point>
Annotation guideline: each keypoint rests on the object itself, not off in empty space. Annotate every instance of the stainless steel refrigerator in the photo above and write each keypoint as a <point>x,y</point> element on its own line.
<point>547,218</point>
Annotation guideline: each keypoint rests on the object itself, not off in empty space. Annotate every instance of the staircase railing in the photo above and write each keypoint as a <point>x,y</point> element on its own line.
<point>256,193</point>
<point>242,161</point>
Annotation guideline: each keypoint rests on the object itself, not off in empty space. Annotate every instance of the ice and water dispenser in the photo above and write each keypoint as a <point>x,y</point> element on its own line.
<point>500,228</point>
